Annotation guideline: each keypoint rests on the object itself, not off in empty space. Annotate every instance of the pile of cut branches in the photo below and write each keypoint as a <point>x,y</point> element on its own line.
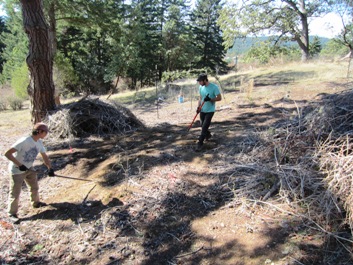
<point>307,161</point>
<point>335,153</point>
<point>88,117</point>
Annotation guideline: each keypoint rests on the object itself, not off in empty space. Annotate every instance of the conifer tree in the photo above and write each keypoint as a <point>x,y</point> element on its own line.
<point>208,41</point>
<point>177,36</point>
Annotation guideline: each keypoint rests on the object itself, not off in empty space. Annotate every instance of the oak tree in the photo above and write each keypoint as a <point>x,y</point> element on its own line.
<point>286,19</point>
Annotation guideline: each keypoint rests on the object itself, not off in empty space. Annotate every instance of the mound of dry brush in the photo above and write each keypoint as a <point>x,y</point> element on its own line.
<point>307,160</point>
<point>335,150</point>
<point>88,117</point>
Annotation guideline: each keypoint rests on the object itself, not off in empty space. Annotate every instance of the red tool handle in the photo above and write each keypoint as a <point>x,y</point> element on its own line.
<point>195,116</point>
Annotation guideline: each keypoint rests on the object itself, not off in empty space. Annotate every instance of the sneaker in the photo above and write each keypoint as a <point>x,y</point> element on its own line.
<point>14,218</point>
<point>208,137</point>
<point>39,204</point>
<point>13,215</point>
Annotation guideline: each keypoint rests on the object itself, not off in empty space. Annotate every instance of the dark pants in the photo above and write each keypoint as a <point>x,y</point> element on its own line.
<point>205,118</point>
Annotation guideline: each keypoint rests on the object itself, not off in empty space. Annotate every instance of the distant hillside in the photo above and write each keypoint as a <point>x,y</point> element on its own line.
<point>241,46</point>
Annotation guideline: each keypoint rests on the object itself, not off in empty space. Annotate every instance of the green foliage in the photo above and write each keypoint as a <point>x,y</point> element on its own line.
<point>64,75</point>
<point>98,41</point>
<point>2,44</point>
<point>208,36</point>
<point>292,53</point>
<point>241,46</point>
<point>148,45</point>
<point>95,42</point>
<point>344,8</point>
<point>286,19</point>
<point>177,36</point>
<point>154,37</point>
<point>346,37</point>
<point>87,51</point>
<point>127,49</point>
<point>20,81</point>
<point>315,47</point>
<point>263,52</point>
<point>171,76</point>
<point>15,40</point>
<point>334,48</point>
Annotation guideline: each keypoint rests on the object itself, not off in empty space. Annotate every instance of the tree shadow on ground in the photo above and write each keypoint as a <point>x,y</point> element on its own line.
<point>164,225</point>
<point>77,213</point>
<point>281,118</point>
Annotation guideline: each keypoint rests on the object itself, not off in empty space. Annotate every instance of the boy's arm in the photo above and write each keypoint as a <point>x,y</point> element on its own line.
<point>46,160</point>
<point>9,155</point>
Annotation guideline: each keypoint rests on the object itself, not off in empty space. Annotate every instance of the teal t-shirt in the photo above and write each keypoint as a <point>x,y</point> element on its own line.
<point>212,91</point>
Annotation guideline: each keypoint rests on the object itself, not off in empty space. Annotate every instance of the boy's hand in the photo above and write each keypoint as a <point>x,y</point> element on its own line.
<point>51,172</point>
<point>22,168</point>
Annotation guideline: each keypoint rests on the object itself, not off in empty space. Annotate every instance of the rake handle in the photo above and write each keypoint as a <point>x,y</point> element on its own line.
<point>195,116</point>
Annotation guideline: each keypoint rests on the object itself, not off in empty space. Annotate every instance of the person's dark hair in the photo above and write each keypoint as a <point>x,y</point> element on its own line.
<point>36,132</point>
<point>40,127</point>
<point>202,77</point>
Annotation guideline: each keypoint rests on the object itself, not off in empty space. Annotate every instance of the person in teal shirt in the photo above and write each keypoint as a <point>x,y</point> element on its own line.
<point>209,94</point>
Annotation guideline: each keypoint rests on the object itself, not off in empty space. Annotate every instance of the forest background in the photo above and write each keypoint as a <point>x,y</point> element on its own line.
<point>106,46</point>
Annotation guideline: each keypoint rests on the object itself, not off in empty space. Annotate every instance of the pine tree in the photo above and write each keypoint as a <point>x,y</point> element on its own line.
<point>208,36</point>
<point>176,37</point>
<point>15,41</point>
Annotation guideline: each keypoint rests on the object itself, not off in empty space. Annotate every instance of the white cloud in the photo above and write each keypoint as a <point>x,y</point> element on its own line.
<point>328,26</point>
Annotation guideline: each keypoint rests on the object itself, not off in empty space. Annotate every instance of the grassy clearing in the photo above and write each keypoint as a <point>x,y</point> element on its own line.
<point>269,83</point>
<point>129,97</point>
<point>10,119</point>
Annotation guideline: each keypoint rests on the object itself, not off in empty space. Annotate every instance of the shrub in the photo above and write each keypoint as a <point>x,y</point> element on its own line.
<point>334,48</point>
<point>3,104</point>
<point>15,103</point>
<point>265,52</point>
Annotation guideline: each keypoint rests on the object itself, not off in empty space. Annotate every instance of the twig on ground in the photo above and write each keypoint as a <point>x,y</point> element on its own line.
<point>190,253</point>
<point>309,219</point>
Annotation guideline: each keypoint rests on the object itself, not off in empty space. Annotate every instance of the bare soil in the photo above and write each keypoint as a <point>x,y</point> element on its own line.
<point>149,198</point>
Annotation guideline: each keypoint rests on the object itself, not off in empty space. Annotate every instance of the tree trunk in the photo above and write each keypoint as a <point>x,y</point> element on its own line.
<point>52,28</point>
<point>39,59</point>
<point>304,38</point>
